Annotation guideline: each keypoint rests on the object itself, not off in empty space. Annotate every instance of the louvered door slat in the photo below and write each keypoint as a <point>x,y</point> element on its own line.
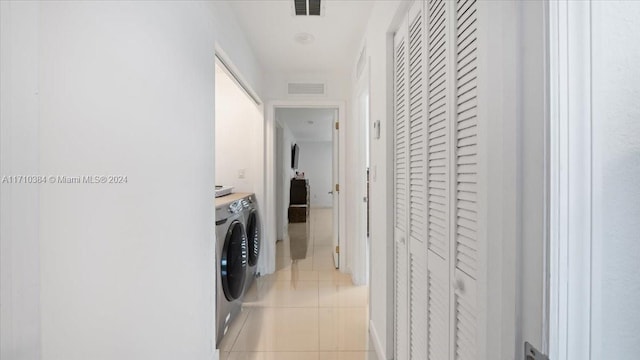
<point>438,130</point>
<point>401,303</point>
<point>417,186</point>
<point>418,309</point>
<point>466,137</point>
<point>417,130</point>
<point>403,172</point>
<point>438,307</point>
<point>465,318</point>
<point>438,126</point>
<point>400,153</point>
<point>465,143</point>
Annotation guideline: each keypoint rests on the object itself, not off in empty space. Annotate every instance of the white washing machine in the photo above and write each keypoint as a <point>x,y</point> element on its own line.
<point>253,229</point>
<point>231,262</point>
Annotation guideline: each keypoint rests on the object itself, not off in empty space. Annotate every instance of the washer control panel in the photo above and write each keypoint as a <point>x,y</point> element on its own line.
<point>235,207</point>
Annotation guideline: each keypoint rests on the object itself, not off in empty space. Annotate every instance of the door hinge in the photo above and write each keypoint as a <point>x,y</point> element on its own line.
<point>531,353</point>
<point>337,249</point>
<point>337,125</point>
<point>338,187</point>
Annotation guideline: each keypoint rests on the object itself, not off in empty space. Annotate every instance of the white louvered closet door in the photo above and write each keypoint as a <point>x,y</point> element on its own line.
<point>437,239</point>
<point>466,247</point>
<point>439,121</point>
<point>417,141</point>
<point>400,154</point>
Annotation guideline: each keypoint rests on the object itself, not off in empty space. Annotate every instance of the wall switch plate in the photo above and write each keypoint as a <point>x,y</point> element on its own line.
<point>241,173</point>
<point>531,353</point>
<point>376,129</point>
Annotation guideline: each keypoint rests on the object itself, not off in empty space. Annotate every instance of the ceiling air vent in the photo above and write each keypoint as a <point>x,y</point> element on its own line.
<point>300,6</point>
<point>307,7</point>
<point>306,89</point>
<point>314,7</point>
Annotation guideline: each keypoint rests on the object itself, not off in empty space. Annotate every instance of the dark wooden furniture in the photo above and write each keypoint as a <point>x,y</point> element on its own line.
<point>299,229</point>
<point>299,201</point>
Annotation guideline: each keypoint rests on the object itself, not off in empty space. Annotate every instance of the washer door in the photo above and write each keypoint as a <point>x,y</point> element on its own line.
<point>253,235</point>
<point>233,262</point>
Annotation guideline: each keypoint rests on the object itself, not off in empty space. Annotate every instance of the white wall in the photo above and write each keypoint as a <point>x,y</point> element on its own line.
<point>125,270</point>
<point>315,161</point>
<point>616,174</point>
<point>384,19</point>
<point>19,204</point>
<point>239,136</point>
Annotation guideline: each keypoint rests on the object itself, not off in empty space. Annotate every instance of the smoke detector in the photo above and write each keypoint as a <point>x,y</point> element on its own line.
<point>304,38</point>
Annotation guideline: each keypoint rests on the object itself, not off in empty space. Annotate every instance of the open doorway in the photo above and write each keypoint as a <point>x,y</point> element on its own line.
<point>239,195</point>
<point>306,179</point>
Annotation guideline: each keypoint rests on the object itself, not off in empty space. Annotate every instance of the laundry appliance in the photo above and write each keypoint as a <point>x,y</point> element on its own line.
<point>231,260</point>
<point>254,236</point>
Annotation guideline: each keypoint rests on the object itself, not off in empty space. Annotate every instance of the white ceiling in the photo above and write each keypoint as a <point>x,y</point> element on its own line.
<point>297,120</point>
<point>271,26</point>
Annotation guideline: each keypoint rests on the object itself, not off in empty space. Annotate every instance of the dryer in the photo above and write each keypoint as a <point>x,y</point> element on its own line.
<point>231,263</point>
<point>253,229</point>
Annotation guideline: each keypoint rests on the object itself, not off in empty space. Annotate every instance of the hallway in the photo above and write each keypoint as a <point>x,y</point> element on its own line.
<point>306,310</point>
<point>485,173</point>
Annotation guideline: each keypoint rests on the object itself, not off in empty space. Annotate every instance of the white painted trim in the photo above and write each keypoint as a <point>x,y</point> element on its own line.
<point>357,265</point>
<point>570,180</point>
<point>235,73</point>
<point>546,312</point>
<point>270,202</point>
<point>389,132</point>
<point>377,344</point>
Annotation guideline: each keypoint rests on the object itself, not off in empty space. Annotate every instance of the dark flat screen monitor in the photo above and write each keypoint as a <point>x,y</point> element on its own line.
<point>295,154</point>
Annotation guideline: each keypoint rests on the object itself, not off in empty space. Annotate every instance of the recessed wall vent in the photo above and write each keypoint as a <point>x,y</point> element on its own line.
<point>306,88</point>
<point>307,7</point>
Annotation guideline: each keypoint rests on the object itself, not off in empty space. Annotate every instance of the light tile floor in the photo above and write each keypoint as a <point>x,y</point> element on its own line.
<point>306,310</point>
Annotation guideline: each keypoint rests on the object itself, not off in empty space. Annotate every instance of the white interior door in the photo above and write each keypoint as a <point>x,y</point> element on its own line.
<point>436,182</point>
<point>438,15</point>
<point>401,304</point>
<point>335,193</point>
<point>466,245</point>
<point>417,184</point>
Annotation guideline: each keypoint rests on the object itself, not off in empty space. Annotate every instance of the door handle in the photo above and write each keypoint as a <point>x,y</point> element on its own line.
<point>331,192</point>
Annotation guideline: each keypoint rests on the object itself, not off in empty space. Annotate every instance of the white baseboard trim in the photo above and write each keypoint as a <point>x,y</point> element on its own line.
<point>377,345</point>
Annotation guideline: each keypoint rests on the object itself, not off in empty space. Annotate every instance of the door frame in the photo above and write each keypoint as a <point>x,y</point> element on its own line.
<point>359,267</point>
<point>570,201</point>
<point>270,173</point>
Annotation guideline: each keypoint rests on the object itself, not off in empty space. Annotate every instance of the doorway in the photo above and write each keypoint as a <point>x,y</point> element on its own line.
<point>278,181</point>
<point>307,173</point>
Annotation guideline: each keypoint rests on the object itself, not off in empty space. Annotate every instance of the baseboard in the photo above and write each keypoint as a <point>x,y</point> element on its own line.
<point>377,345</point>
